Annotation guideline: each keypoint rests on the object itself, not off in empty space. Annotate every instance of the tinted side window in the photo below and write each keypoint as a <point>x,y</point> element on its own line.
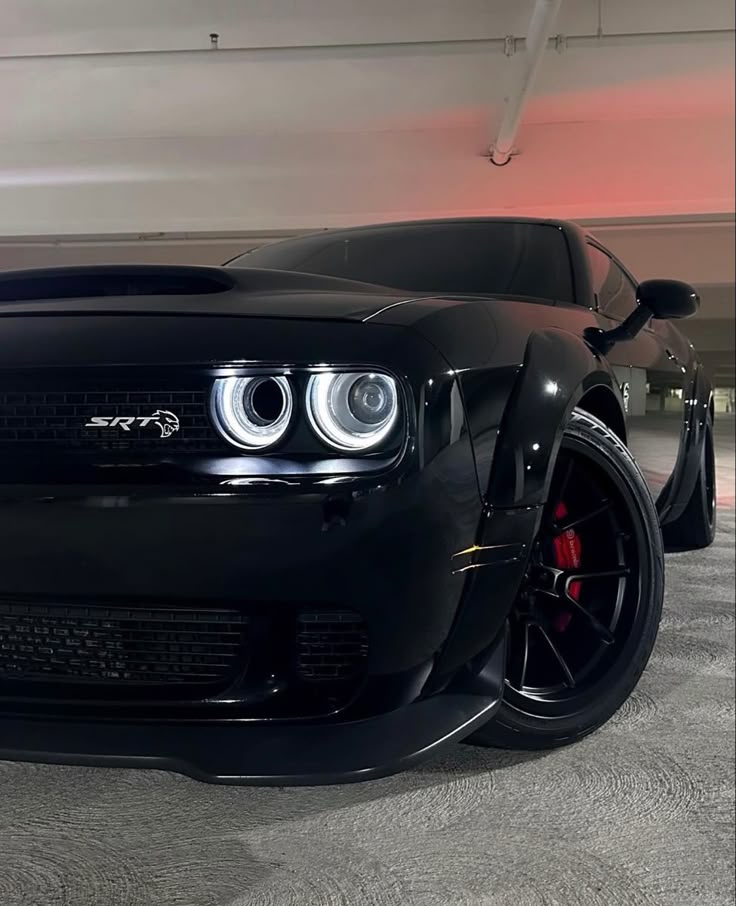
<point>616,293</point>
<point>520,259</point>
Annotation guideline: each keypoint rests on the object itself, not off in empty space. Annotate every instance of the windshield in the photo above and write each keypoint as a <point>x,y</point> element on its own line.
<point>486,258</point>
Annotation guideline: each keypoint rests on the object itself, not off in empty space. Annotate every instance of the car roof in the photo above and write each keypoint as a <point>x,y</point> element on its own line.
<point>440,221</point>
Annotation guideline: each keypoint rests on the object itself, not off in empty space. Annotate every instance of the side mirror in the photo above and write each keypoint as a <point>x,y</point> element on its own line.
<point>660,299</point>
<point>667,299</point>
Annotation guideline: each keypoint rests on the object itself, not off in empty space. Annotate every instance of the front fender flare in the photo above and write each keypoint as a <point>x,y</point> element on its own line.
<point>558,370</point>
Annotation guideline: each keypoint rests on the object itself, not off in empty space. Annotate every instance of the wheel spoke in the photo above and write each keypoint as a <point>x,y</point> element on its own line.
<point>619,573</point>
<point>525,657</point>
<point>569,678</point>
<point>603,632</point>
<point>562,527</point>
<point>549,580</point>
<point>560,590</point>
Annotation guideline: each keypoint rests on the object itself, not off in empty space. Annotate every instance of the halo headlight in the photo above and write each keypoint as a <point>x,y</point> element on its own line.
<point>352,412</point>
<point>252,413</point>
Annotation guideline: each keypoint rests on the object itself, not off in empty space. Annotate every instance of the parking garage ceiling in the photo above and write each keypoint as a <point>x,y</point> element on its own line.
<point>124,117</point>
<point>127,120</point>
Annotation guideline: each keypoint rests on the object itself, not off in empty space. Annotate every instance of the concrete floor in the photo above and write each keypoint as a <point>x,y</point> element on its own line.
<point>642,813</point>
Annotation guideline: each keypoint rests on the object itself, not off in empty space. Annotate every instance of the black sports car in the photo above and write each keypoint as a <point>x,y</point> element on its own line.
<point>307,517</point>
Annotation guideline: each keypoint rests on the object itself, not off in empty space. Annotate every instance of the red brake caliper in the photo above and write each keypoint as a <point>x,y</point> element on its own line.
<point>567,556</point>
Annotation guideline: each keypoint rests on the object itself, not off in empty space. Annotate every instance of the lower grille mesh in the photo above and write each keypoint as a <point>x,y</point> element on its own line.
<point>331,646</point>
<point>120,645</point>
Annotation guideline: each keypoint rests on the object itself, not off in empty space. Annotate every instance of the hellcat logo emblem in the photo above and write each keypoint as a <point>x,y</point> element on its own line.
<point>167,422</point>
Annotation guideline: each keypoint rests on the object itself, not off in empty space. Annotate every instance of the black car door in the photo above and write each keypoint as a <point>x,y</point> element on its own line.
<point>651,376</point>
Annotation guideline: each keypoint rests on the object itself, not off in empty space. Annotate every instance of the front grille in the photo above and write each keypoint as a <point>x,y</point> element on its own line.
<point>331,646</point>
<point>120,645</point>
<point>56,419</point>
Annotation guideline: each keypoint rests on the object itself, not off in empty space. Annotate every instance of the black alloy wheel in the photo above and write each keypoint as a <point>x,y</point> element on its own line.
<point>585,620</point>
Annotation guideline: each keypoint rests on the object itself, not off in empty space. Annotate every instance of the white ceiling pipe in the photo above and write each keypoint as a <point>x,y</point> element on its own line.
<point>374,49</point>
<point>540,27</point>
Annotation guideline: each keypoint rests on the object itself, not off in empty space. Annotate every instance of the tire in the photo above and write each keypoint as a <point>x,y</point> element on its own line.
<point>603,625</point>
<point>696,527</point>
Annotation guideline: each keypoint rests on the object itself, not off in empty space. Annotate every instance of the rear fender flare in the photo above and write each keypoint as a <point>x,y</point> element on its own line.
<point>676,495</point>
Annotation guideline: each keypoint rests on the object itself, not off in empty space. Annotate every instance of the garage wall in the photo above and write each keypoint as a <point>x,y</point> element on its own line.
<point>605,169</point>
<point>119,118</point>
<point>125,136</point>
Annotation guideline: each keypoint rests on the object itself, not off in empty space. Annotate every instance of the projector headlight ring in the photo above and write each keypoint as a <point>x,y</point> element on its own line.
<point>252,413</point>
<point>352,412</point>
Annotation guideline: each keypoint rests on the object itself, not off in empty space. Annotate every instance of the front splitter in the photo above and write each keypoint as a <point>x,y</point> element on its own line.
<point>256,752</point>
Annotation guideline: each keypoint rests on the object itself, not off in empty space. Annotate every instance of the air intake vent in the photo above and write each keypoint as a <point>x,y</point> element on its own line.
<point>331,646</point>
<point>120,645</point>
<point>94,282</point>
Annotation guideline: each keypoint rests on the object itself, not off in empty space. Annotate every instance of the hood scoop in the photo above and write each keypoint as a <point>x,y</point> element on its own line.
<point>186,290</point>
<point>96,282</point>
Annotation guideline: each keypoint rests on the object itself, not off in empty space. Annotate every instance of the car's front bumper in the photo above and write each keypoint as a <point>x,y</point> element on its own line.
<point>413,553</point>
<point>258,752</point>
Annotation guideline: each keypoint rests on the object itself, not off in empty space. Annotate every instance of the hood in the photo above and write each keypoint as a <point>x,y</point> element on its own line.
<point>181,290</point>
